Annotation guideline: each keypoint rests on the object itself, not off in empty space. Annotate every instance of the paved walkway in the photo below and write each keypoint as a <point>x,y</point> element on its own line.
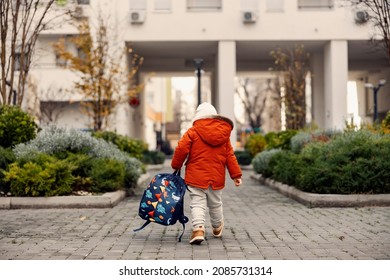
<point>260,224</point>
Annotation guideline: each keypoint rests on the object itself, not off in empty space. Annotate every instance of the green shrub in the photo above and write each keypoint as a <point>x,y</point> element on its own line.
<point>60,141</point>
<point>6,158</point>
<point>46,176</point>
<point>83,164</point>
<point>299,140</point>
<point>352,162</point>
<point>285,139</point>
<point>261,162</point>
<point>355,162</point>
<point>279,140</point>
<point>107,175</point>
<point>255,144</point>
<point>96,174</point>
<point>134,147</point>
<point>271,138</point>
<point>286,167</point>
<point>153,157</point>
<point>243,157</point>
<point>16,126</point>
<point>302,138</point>
<point>28,180</point>
<point>385,125</point>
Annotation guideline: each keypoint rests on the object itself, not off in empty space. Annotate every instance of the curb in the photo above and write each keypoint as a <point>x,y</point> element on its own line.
<point>107,200</point>
<point>94,201</point>
<point>313,200</point>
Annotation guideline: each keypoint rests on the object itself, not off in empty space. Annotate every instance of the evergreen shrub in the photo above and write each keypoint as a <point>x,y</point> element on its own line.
<point>6,158</point>
<point>243,157</point>
<point>385,125</point>
<point>134,147</point>
<point>286,167</point>
<point>16,126</point>
<point>280,140</point>
<point>153,157</point>
<point>107,175</point>
<point>261,162</point>
<point>59,142</point>
<point>45,176</point>
<point>354,162</point>
<point>255,144</point>
<point>302,138</point>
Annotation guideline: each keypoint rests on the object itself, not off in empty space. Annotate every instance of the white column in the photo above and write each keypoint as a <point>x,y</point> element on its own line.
<point>335,78</point>
<point>317,68</point>
<point>226,71</point>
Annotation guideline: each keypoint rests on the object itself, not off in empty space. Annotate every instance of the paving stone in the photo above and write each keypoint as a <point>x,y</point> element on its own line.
<point>260,223</point>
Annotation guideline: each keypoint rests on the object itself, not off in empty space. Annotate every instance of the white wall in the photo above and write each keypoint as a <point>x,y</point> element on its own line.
<point>291,24</point>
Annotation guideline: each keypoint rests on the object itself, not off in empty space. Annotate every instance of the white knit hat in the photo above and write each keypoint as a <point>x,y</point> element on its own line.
<point>204,110</point>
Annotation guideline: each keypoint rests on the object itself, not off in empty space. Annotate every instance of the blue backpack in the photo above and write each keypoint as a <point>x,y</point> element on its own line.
<point>163,201</point>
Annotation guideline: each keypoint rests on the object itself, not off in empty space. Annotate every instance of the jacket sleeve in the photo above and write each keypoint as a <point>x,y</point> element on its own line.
<point>232,163</point>
<point>181,151</point>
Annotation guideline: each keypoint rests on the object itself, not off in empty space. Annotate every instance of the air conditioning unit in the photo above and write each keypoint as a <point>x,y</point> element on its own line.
<point>137,17</point>
<point>78,12</point>
<point>249,17</point>
<point>361,17</point>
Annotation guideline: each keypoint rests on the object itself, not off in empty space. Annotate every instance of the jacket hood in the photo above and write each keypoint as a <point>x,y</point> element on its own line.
<point>215,130</point>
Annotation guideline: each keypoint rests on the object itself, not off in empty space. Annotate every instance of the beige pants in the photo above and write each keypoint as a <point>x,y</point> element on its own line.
<point>200,200</point>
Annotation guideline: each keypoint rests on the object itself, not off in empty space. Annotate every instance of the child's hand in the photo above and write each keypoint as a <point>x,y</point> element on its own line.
<point>237,181</point>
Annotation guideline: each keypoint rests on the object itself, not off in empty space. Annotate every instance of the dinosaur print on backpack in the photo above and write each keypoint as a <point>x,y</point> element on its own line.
<point>163,201</point>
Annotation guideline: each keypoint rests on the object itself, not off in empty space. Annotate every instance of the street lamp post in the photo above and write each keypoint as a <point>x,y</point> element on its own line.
<point>375,89</point>
<point>198,62</point>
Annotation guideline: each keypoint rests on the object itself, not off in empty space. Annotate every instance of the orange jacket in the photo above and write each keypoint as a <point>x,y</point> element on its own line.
<point>208,150</point>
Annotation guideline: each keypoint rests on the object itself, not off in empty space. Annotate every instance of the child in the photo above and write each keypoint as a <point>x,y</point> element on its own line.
<point>207,148</point>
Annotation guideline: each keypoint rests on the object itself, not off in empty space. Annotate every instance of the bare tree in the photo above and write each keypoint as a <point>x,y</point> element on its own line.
<point>253,96</point>
<point>293,65</point>
<point>21,22</point>
<point>99,64</point>
<point>378,12</point>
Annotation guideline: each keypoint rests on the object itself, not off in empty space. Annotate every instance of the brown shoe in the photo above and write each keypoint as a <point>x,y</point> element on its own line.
<point>197,236</point>
<point>217,232</point>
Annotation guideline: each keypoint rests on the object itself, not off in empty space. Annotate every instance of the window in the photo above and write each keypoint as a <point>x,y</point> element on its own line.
<point>315,4</point>
<point>60,62</point>
<point>162,5</point>
<point>18,57</point>
<point>249,5</point>
<point>138,5</point>
<point>204,5</point>
<point>83,2</point>
<point>17,61</point>
<point>81,54</point>
<point>275,5</point>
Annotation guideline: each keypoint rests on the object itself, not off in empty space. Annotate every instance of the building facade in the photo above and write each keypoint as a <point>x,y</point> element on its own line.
<point>235,37</point>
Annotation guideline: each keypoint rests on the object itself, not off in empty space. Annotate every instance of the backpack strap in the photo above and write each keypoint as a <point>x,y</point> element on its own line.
<point>144,225</point>
<point>182,219</point>
<point>181,235</point>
